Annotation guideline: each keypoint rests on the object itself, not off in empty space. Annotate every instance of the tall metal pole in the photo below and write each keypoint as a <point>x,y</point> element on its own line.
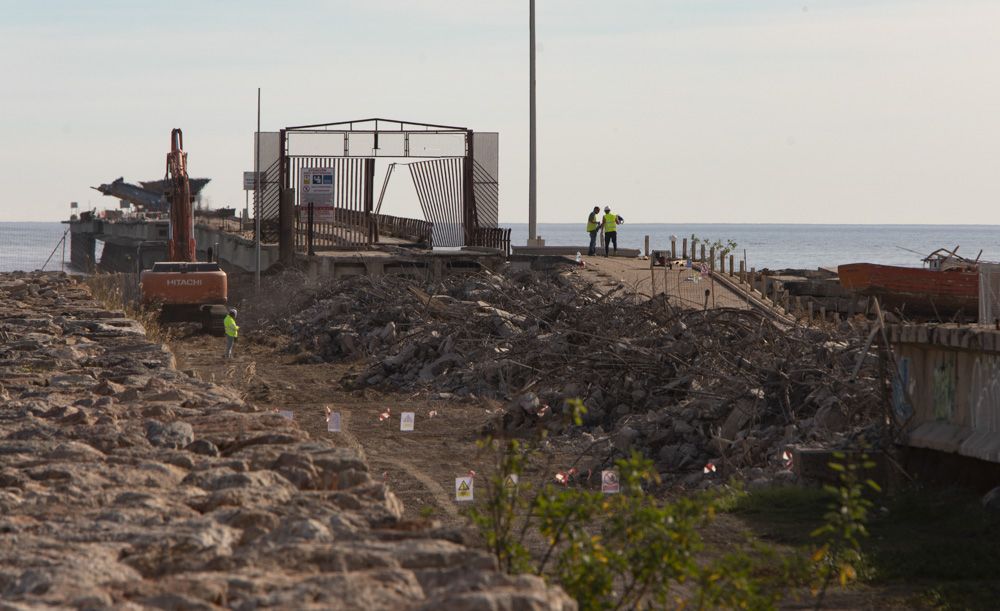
<point>256,194</point>
<point>532,160</point>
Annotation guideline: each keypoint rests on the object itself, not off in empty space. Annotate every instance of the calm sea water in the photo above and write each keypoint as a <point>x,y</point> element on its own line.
<point>797,246</point>
<point>26,246</point>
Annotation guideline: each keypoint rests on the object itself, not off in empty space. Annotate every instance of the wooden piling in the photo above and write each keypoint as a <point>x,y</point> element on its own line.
<point>702,253</point>
<point>731,259</point>
<point>673,249</point>
<point>810,316</point>
<point>684,248</point>
<point>822,313</point>
<point>647,246</point>
<point>743,272</point>
<point>711,258</point>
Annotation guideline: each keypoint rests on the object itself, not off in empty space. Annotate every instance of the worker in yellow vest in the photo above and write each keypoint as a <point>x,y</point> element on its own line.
<point>593,226</point>
<point>232,330</point>
<point>610,224</point>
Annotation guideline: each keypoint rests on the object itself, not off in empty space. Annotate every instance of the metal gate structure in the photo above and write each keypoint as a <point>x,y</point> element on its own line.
<point>456,182</point>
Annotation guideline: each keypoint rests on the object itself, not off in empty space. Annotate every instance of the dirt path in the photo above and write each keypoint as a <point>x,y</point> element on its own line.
<point>420,466</point>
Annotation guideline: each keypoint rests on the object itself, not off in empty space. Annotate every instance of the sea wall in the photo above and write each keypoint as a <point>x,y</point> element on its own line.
<point>947,390</point>
<point>126,483</point>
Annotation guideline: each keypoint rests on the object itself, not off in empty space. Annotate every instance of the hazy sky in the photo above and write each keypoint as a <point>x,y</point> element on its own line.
<point>838,111</point>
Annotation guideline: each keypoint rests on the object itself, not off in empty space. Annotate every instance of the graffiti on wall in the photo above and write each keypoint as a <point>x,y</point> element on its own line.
<point>944,388</point>
<point>984,393</point>
<point>903,386</point>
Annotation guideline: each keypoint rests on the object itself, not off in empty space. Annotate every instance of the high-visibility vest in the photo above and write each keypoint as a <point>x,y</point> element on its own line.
<point>231,328</point>
<point>592,222</point>
<point>610,222</point>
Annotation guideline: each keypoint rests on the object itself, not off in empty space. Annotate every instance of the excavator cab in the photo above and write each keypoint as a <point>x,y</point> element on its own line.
<point>194,292</point>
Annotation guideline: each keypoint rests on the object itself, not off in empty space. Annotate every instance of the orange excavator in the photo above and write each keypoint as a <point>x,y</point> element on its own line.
<point>184,288</point>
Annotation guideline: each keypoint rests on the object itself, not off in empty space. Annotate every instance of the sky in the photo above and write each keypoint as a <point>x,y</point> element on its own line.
<point>693,111</point>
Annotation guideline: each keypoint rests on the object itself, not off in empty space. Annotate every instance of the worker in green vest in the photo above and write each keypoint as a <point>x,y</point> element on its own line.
<point>232,330</point>
<point>610,224</point>
<point>593,226</point>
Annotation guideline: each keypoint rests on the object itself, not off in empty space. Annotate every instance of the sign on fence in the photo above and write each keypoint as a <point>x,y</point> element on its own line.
<point>317,186</point>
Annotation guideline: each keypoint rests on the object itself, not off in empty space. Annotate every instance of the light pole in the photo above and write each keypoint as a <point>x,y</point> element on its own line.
<point>533,239</point>
<point>257,194</point>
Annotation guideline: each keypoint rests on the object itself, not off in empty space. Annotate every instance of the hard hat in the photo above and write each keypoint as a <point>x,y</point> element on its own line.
<point>607,208</point>
<point>232,311</point>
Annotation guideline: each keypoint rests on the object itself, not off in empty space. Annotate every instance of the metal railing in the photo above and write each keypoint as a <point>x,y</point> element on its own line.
<point>492,237</point>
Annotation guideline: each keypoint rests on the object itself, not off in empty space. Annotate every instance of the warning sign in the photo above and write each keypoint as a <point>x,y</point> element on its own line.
<point>463,488</point>
<point>609,481</point>
<point>406,421</point>
<point>510,483</point>
<point>333,422</point>
<point>317,186</point>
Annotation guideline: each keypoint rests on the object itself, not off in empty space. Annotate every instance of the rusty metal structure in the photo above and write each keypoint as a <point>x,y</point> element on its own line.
<point>454,173</point>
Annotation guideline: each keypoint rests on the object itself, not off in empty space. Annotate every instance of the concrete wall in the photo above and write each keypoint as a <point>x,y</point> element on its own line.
<point>948,389</point>
<point>234,251</point>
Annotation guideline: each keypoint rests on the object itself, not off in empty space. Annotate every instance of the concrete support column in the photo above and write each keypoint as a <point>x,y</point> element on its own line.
<point>286,226</point>
<point>82,248</point>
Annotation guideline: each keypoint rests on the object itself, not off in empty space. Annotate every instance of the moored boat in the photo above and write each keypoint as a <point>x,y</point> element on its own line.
<point>948,285</point>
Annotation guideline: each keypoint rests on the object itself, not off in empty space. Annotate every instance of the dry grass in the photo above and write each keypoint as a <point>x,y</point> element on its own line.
<point>121,292</point>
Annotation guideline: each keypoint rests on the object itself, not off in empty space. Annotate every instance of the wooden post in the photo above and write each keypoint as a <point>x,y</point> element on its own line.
<point>798,304</point>
<point>810,317</point>
<point>652,282</point>
<point>822,313</point>
<point>673,249</point>
<point>743,271</point>
<point>702,253</point>
<point>836,317</point>
<point>731,265</point>
<point>784,299</point>
<point>752,279</point>
<point>647,246</point>
<point>684,248</point>
<point>711,258</point>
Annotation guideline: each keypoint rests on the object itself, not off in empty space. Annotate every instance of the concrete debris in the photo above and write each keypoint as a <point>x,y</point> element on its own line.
<point>682,386</point>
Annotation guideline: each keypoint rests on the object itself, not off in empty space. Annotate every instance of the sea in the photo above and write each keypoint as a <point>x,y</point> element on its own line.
<point>781,246</point>
<point>31,246</point>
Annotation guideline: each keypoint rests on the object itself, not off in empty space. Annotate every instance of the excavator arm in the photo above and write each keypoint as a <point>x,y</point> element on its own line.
<point>181,246</point>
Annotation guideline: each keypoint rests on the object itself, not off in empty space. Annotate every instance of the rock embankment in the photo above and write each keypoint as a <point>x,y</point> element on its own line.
<point>126,483</point>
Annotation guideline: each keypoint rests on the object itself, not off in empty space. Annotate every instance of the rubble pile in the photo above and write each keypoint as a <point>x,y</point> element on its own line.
<point>685,386</point>
<point>125,483</point>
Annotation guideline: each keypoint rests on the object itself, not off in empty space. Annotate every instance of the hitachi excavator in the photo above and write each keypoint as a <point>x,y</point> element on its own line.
<point>184,288</point>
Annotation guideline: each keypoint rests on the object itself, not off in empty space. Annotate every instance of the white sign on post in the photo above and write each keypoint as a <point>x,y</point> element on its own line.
<point>406,421</point>
<point>333,422</point>
<point>248,182</point>
<point>463,489</point>
<point>609,481</point>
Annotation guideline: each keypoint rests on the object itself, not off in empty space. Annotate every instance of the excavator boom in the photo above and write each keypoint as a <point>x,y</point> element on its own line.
<point>181,247</point>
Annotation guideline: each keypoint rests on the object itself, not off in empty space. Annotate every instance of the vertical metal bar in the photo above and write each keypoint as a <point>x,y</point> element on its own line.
<point>532,129</point>
<point>468,193</point>
<point>309,234</point>
<point>369,199</point>
<point>256,169</point>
